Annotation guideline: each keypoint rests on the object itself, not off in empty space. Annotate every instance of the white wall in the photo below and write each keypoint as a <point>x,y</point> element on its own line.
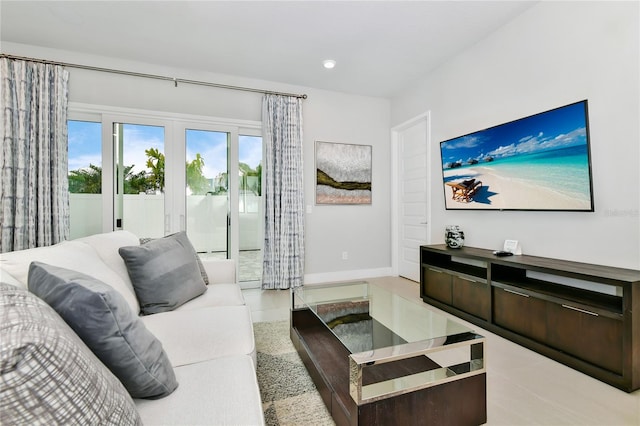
<point>553,54</point>
<point>362,231</point>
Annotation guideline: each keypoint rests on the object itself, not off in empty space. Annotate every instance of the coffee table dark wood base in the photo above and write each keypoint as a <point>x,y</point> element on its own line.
<point>459,402</point>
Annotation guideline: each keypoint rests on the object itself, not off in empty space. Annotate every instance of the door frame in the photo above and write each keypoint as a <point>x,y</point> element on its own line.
<point>396,234</point>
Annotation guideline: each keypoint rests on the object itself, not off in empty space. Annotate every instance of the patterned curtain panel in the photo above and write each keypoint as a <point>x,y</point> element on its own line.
<point>34,195</point>
<point>283,265</point>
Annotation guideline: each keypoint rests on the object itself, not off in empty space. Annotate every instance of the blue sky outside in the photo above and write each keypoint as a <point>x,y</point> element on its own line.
<point>85,146</point>
<point>212,146</point>
<point>558,128</point>
<point>136,140</point>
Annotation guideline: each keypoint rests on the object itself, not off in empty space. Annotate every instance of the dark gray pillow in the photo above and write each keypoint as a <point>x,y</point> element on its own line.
<point>203,272</point>
<point>104,321</point>
<point>164,273</point>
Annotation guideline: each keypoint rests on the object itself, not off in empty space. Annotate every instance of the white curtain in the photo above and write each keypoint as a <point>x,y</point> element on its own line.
<point>283,265</point>
<point>34,195</point>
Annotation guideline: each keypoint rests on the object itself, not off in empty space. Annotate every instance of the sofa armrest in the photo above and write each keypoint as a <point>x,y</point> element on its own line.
<point>220,271</point>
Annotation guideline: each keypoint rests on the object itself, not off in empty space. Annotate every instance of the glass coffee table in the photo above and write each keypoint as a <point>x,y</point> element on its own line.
<point>378,358</point>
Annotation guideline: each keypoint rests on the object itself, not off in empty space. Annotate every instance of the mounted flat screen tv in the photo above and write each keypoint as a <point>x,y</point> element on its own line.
<point>541,162</point>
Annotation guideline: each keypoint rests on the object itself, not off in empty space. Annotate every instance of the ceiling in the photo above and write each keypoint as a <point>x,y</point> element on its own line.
<point>381,47</point>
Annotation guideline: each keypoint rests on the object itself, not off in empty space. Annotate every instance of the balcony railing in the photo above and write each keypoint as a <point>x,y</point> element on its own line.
<point>143,215</point>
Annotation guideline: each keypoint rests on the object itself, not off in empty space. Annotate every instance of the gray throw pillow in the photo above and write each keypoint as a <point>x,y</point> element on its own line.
<point>164,273</point>
<point>203,272</point>
<point>48,376</point>
<point>104,321</point>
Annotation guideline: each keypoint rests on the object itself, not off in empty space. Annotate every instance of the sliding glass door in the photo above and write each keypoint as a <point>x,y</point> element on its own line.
<point>158,175</point>
<point>207,191</point>
<point>223,186</point>
<point>139,201</point>
<point>250,210</point>
<point>85,177</point>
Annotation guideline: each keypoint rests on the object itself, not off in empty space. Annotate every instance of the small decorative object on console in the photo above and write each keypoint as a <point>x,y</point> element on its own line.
<point>512,246</point>
<point>454,236</point>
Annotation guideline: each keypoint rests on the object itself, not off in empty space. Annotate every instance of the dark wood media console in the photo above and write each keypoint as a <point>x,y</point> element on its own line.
<point>582,315</point>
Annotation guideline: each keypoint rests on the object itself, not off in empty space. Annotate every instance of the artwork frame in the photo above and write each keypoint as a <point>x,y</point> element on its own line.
<point>343,173</point>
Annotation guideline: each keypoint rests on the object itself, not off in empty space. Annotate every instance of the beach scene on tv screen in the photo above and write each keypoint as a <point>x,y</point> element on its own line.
<point>539,162</point>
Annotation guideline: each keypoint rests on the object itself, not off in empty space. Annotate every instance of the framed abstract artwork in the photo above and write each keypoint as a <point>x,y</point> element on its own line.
<point>343,173</point>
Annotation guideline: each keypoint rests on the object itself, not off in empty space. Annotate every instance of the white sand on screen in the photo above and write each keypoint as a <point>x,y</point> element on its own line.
<point>501,192</point>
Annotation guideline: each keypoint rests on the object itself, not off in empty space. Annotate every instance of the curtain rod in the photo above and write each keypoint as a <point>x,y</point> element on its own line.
<point>175,80</point>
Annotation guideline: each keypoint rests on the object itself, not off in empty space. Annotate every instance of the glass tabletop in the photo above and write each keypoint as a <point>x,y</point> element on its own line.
<point>367,317</point>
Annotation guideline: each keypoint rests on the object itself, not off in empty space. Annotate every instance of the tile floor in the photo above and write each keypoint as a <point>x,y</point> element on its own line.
<point>523,387</point>
<point>249,263</point>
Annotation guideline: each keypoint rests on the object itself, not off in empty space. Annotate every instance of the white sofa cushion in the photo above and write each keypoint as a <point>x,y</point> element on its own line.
<point>107,245</point>
<point>48,375</point>
<point>222,391</point>
<point>219,271</point>
<point>75,255</point>
<point>198,335</point>
<point>216,295</point>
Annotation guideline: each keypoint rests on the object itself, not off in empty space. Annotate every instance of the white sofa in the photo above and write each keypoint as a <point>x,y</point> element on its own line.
<point>208,340</point>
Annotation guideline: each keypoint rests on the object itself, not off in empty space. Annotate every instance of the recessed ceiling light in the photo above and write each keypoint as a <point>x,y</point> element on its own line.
<point>329,63</point>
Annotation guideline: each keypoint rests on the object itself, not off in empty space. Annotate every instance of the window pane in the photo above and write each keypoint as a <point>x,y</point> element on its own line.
<point>250,167</point>
<point>207,191</point>
<point>140,179</point>
<point>85,178</point>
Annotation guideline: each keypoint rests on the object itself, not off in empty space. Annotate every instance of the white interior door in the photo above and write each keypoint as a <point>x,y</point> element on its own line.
<point>413,194</point>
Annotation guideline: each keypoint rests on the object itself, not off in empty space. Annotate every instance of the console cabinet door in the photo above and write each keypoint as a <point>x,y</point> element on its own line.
<point>471,296</point>
<point>437,285</point>
<point>520,313</point>
<point>583,334</point>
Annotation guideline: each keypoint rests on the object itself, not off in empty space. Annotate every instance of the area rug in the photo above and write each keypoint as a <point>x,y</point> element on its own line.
<point>289,396</point>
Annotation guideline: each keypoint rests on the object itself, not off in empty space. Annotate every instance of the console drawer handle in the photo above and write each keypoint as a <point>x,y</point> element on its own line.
<point>584,311</point>
<point>468,279</point>
<point>515,292</point>
<point>435,270</point>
